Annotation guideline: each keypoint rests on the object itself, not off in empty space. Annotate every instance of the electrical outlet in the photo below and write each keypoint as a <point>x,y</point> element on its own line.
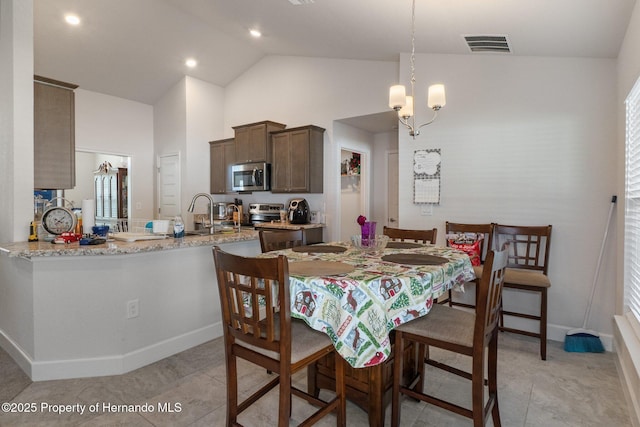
<point>138,205</point>
<point>133,308</point>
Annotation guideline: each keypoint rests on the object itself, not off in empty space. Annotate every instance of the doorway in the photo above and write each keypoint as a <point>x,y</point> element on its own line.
<point>353,191</point>
<point>87,164</point>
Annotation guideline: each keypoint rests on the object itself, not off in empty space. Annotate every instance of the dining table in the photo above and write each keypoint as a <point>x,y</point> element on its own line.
<point>357,296</point>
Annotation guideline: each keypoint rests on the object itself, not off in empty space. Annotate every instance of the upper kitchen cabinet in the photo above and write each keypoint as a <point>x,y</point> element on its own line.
<point>222,156</point>
<point>54,134</point>
<point>253,143</point>
<point>297,163</point>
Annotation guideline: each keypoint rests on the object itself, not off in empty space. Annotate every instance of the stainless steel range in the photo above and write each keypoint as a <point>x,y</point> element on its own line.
<point>264,212</point>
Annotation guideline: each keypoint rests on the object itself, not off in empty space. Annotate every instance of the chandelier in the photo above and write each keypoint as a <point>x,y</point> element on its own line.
<point>403,104</point>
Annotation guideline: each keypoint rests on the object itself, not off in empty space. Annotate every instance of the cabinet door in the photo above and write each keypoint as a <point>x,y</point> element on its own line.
<point>281,166</point>
<point>54,137</point>
<point>222,154</point>
<point>299,161</point>
<point>251,144</point>
<point>243,144</point>
<point>229,159</point>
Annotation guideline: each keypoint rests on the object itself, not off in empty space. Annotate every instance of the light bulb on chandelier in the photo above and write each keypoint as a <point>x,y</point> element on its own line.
<point>403,103</point>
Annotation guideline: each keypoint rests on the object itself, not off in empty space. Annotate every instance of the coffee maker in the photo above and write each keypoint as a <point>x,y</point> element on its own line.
<point>298,211</point>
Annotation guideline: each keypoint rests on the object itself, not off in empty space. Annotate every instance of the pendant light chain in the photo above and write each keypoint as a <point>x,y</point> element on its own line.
<point>413,46</point>
<point>413,57</point>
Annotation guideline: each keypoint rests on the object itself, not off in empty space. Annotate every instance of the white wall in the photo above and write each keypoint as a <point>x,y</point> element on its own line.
<point>627,331</point>
<point>170,130</point>
<point>527,141</point>
<point>524,141</point>
<point>186,118</point>
<point>112,125</point>
<point>205,120</point>
<point>16,119</point>
<point>299,91</point>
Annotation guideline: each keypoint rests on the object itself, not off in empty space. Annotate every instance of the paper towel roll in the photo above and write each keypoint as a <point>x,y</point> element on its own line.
<point>88,215</point>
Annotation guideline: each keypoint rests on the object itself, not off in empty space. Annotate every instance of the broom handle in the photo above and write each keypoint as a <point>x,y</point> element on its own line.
<point>595,277</point>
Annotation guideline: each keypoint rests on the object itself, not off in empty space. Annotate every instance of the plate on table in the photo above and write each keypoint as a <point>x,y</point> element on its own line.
<point>319,268</point>
<point>415,259</point>
<point>404,245</point>
<point>319,249</point>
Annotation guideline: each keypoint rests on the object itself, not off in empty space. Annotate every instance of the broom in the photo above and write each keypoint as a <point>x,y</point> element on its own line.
<point>583,340</point>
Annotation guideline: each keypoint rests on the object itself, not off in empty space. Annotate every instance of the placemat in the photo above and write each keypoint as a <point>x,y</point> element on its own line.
<point>403,245</point>
<point>319,249</point>
<point>415,259</point>
<point>319,268</point>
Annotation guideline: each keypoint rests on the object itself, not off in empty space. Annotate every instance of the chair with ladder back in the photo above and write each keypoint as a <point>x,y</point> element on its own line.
<point>249,287</point>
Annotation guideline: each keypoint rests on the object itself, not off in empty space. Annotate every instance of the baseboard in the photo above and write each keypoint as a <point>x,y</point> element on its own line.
<point>627,342</point>
<point>108,365</point>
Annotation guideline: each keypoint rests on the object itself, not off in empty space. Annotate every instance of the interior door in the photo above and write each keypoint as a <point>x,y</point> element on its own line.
<point>168,186</point>
<point>392,189</point>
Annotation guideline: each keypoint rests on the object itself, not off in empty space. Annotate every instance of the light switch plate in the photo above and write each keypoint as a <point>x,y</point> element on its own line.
<point>426,210</point>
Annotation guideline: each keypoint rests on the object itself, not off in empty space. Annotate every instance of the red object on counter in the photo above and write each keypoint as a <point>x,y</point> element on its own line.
<point>67,238</point>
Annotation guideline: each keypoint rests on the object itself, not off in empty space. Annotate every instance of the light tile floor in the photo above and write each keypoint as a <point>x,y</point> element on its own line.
<point>569,389</point>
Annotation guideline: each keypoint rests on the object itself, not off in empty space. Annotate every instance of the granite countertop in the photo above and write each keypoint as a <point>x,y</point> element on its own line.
<point>47,249</point>
<point>287,225</point>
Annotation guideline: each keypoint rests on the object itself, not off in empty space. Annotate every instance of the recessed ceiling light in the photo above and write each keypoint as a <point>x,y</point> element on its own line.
<point>191,62</point>
<point>72,19</point>
<point>255,33</point>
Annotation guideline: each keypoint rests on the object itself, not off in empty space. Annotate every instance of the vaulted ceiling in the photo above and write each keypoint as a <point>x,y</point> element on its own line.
<point>136,49</point>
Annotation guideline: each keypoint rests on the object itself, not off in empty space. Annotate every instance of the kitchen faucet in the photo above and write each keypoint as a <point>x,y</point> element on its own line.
<point>211,202</point>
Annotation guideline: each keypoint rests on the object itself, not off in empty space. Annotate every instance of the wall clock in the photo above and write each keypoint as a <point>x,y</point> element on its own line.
<point>58,219</point>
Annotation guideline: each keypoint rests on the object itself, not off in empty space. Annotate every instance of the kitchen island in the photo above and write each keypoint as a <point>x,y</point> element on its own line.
<point>69,311</point>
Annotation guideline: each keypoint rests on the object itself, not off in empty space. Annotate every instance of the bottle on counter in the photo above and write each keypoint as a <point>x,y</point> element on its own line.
<point>178,227</point>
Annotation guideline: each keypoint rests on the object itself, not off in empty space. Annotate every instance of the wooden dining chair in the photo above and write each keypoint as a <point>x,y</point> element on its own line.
<point>484,230</point>
<point>272,240</point>
<point>268,338</point>
<point>461,332</point>
<point>528,267</point>
<point>420,236</point>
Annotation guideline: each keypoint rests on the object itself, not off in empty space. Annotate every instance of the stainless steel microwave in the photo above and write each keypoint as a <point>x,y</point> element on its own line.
<point>251,176</point>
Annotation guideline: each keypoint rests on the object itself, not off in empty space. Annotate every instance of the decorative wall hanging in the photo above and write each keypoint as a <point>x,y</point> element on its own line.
<point>426,176</point>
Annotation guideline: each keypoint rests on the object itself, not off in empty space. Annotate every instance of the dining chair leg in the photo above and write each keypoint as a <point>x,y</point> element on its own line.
<point>284,405</point>
<point>477,391</point>
<point>493,379</point>
<point>423,355</point>
<point>341,390</point>
<point>232,390</point>
<point>397,378</point>
<point>543,324</point>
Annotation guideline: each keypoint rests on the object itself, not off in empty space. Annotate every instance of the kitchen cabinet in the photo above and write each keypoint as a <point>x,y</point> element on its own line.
<point>252,142</point>
<point>53,134</point>
<point>222,155</point>
<point>297,163</point>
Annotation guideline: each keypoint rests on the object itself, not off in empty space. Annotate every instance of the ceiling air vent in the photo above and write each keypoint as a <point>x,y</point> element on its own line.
<point>487,43</point>
<point>299,2</point>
